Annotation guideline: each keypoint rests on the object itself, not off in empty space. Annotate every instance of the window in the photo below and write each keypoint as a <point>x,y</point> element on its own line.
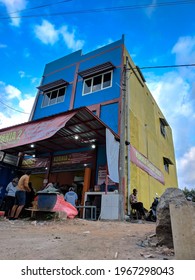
<point>162,129</point>
<point>97,83</point>
<point>163,124</point>
<point>167,162</point>
<point>53,97</point>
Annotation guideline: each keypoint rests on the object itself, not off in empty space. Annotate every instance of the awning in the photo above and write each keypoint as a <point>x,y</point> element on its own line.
<point>167,160</point>
<point>53,85</point>
<point>164,122</point>
<point>55,133</point>
<point>96,70</point>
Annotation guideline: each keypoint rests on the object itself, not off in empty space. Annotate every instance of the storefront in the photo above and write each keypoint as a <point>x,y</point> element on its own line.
<point>63,149</point>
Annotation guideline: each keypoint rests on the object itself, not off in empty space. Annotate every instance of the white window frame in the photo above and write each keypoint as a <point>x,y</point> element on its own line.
<point>101,85</point>
<point>57,100</point>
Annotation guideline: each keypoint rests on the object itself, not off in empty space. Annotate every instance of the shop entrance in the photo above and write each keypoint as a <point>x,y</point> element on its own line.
<point>68,178</point>
<point>81,179</point>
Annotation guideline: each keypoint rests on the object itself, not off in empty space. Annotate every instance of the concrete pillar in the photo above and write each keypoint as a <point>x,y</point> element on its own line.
<point>183,230</point>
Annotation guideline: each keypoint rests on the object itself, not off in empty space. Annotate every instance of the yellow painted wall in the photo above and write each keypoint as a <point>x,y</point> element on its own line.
<point>144,122</point>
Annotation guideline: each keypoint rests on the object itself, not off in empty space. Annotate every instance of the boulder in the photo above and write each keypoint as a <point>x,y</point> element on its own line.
<point>163,223</point>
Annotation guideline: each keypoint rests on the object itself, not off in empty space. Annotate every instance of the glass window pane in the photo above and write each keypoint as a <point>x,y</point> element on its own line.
<point>87,86</point>
<point>46,99</point>
<point>162,129</point>
<point>97,83</point>
<point>107,80</point>
<point>53,98</point>
<point>61,95</point>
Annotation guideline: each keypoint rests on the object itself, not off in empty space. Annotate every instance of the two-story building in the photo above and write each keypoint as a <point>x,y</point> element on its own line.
<point>94,115</point>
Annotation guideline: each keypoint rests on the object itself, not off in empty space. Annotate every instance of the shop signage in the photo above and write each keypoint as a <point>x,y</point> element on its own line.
<point>142,162</point>
<point>102,174</point>
<point>35,162</point>
<point>82,157</point>
<point>11,159</point>
<point>32,132</point>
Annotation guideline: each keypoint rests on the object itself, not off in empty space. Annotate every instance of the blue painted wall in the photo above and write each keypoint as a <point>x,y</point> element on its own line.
<point>109,115</point>
<point>62,62</point>
<point>65,68</point>
<point>101,159</point>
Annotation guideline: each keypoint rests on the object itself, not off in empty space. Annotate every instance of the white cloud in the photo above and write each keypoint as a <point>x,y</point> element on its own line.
<point>174,93</point>
<point>186,167</point>
<point>69,39</point>
<point>26,104</point>
<point>12,119</point>
<point>15,107</point>
<point>46,33</point>
<point>22,74</point>
<point>171,91</point>
<point>184,50</point>
<point>12,92</point>
<point>12,6</point>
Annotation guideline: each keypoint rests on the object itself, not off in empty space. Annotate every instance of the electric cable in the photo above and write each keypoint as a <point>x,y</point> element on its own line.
<point>107,9</point>
<point>13,108</point>
<point>135,68</point>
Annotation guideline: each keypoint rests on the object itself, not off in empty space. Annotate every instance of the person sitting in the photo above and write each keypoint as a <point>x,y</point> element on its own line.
<point>138,206</point>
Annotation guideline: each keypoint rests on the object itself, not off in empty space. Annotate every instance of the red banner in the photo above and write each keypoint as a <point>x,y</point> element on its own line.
<point>142,162</point>
<point>32,132</point>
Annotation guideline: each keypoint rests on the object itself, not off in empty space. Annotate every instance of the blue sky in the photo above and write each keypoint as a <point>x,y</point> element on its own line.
<point>157,32</point>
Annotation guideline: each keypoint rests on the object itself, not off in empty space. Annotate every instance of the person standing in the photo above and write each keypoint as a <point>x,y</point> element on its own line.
<point>20,195</point>
<point>10,197</point>
<point>71,196</point>
<point>137,205</point>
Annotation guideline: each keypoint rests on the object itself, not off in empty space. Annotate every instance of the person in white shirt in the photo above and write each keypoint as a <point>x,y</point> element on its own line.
<point>10,197</point>
<point>71,196</point>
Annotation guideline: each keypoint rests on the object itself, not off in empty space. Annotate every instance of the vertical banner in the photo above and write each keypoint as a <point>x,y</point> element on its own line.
<point>112,153</point>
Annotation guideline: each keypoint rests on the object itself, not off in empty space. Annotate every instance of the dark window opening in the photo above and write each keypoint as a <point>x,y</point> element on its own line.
<point>97,83</point>
<point>107,80</point>
<point>167,162</point>
<point>87,86</point>
<point>163,124</point>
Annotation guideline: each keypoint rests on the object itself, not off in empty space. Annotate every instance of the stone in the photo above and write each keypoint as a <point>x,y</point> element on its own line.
<point>163,223</point>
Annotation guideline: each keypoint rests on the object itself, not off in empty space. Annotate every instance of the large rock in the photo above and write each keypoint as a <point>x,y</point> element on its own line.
<point>163,224</point>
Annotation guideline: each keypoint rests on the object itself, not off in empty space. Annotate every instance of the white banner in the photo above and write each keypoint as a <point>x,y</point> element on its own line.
<point>112,153</point>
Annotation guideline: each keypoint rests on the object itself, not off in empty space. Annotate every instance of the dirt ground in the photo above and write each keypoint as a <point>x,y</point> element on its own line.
<point>79,239</point>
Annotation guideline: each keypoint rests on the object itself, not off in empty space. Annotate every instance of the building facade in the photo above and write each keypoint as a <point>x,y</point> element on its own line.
<point>110,89</point>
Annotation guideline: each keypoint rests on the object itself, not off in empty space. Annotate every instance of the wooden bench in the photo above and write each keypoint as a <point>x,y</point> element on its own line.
<point>36,210</point>
<point>58,213</point>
